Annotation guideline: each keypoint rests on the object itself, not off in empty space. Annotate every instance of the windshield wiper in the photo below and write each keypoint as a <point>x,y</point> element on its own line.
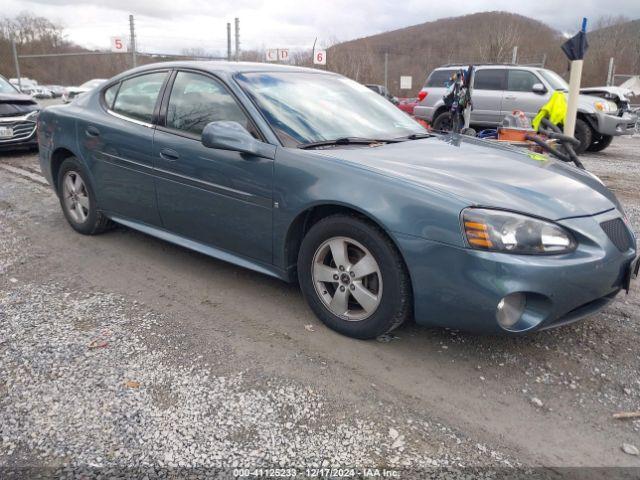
<point>346,141</point>
<point>415,136</point>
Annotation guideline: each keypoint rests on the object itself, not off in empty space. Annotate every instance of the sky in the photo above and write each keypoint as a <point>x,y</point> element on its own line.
<point>173,26</point>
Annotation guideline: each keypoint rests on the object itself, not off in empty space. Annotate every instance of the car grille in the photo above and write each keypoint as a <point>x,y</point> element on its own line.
<point>618,233</point>
<point>21,130</point>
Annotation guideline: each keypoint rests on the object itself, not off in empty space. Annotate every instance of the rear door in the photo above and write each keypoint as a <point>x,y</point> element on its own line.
<point>218,197</point>
<point>117,144</point>
<point>488,88</point>
<point>519,94</point>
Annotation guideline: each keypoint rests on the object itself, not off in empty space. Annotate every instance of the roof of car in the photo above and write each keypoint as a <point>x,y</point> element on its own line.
<point>506,65</point>
<point>230,67</point>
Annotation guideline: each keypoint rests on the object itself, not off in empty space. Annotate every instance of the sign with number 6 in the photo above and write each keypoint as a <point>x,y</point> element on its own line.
<point>118,44</point>
<point>320,57</point>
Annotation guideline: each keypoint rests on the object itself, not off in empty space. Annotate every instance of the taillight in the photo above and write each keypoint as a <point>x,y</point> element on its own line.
<point>422,95</point>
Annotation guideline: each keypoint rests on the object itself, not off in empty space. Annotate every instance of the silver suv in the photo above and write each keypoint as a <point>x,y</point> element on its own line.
<point>500,89</point>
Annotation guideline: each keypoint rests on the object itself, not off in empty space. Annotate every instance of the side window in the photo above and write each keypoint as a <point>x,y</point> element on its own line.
<point>110,95</point>
<point>197,100</point>
<point>439,78</point>
<point>489,79</point>
<point>521,81</point>
<point>137,96</point>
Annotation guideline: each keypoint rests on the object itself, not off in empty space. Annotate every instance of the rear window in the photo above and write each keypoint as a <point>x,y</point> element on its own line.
<point>137,96</point>
<point>439,78</point>
<point>490,79</point>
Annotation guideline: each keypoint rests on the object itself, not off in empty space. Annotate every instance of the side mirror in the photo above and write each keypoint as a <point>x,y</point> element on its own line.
<point>538,88</point>
<point>230,136</point>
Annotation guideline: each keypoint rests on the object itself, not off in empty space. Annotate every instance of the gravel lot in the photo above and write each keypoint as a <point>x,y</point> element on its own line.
<point>122,352</point>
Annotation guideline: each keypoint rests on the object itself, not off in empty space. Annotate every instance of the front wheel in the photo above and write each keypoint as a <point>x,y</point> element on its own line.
<point>600,143</point>
<point>583,134</point>
<point>353,277</point>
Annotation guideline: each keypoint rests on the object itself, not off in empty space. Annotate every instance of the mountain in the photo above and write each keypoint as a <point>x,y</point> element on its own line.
<point>487,37</point>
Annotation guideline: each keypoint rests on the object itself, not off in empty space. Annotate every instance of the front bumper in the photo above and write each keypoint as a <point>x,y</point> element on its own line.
<point>460,288</point>
<point>613,125</point>
<point>24,133</point>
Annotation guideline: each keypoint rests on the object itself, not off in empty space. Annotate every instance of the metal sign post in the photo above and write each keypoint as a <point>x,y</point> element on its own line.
<point>17,64</point>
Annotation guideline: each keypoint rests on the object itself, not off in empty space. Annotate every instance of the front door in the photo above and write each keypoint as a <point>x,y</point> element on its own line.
<point>488,88</point>
<point>218,197</point>
<point>118,146</point>
<point>520,95</point>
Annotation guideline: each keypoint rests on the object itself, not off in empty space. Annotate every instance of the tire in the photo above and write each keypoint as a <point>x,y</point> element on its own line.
<point>600,142</point>
<point>584,134</point>
<point>386,291</point>
<point>442,122</point>
<point>78,200</point>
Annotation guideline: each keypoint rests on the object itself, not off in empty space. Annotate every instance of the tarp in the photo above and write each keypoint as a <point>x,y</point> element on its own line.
<point>576,46</point>
<point>555,110</point>
<point>632,84</point>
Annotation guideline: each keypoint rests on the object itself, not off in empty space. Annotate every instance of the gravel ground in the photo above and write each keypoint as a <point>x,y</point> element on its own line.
<point>84,387</point>
<point>105,372</point>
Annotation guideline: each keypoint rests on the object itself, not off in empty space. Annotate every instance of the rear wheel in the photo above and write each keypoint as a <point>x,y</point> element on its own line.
<point>78,199</point>
<point>353,277</point>
<point>442,122</point>
<point>600,142</point>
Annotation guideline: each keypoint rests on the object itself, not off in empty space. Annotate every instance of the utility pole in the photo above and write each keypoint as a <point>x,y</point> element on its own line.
<point>228,41</point>
<point>237,20</point>
<point>514,56</point>
<point>15,60</point>
<point>386,70</point>
<point>133,40</point>
<point>544,60</point>
<point>610,73</point>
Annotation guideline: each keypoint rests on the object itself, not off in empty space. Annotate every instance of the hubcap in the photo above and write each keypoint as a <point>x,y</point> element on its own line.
<point>76,198</point>
<point>347,278</point>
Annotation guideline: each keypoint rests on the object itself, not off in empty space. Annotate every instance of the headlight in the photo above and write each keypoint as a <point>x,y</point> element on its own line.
<point>507,232</point>
<point>33,116</point>
<point>605,106</point>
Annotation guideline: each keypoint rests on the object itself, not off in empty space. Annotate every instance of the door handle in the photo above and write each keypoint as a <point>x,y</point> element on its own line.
<point>509,98</point>
<point>170,155</point>
<point>92,131</point>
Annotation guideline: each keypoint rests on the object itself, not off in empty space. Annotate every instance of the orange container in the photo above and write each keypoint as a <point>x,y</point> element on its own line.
<point>511,134</point>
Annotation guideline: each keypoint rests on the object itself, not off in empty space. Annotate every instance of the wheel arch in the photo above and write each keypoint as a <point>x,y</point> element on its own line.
<point>58,156</point>
<point>311,215</point>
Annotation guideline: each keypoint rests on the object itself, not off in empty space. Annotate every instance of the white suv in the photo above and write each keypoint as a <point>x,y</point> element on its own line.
<point>500,89</point>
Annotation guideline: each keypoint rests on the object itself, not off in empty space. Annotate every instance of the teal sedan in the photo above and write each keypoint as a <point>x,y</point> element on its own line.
<point>310,177</point>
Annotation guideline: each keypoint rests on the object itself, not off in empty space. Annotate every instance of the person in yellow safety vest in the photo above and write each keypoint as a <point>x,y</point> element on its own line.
<point>555,110</point>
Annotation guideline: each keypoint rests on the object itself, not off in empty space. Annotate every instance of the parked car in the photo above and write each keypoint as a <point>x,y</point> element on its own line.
<point>308,176</point>
<point>73,92</point>
<point>382,90</point>
<point>407,104</point>
<point>56,90</point>
<point>30,87</point>
<point>500,89</point>
<point>18,115</point>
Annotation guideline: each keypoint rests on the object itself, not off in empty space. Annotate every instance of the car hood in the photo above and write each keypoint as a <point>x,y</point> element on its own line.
<point>484,175</point>
<point>13,104</point>
<point>607,92</point>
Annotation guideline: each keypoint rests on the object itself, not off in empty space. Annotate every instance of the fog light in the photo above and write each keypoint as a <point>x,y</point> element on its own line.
<point>510,309</point>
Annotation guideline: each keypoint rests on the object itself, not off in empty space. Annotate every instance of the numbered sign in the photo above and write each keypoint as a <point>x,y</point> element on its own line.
<point>118,44</point>
<point>283,54</point>
<point>320,57</point>
<point>272,55</point>
<point>405,82</point>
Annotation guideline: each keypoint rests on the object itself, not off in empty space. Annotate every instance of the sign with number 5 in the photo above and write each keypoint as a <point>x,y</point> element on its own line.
<point>118,44</point>
<point>320,57</point>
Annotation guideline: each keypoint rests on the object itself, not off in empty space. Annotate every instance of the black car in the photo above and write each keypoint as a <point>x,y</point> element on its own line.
<point>18,115</point>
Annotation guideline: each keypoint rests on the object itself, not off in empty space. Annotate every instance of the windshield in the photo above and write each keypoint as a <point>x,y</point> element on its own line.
<point>309,107</point>
<point>92,83</point>
<point>555,81</point>
<point>6,87</point>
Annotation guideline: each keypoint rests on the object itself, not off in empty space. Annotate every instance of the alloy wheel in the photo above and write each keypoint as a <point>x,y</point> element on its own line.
<point>347,278</point>
<point>76,197</point>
